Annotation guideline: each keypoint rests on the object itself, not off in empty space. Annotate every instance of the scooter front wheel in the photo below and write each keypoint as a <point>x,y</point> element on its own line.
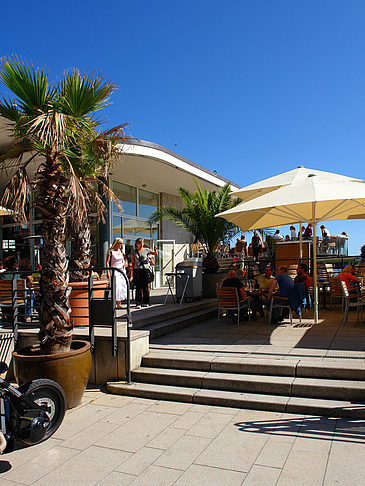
<point>49,395</point>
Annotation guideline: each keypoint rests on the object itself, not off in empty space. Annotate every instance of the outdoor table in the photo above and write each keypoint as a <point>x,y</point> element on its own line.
<point>169,277</point>
<point>323,284</point>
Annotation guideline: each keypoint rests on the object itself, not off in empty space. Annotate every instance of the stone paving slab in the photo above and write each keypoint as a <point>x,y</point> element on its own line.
<point>181,444</point>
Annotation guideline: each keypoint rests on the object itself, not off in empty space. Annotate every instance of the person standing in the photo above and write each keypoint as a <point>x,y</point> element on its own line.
<point>277,236</point>
<point>308,232</point>
<point>140,265</point>
<point>256,242</point>
<point>115,258</point>
<point>325,238</point>
<point>293,233</point>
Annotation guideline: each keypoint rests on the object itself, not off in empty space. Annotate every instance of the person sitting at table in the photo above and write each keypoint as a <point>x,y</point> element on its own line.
<point>348,276</point>
<point>263,283</point>
<point>285,283</point>
<point>302,275</point>
<point>233,281</point>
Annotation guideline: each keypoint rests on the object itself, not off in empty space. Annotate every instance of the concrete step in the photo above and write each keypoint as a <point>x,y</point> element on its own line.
<point>332,408</point>
<point>262,384</point>
<point>334,370</point>
<point>153,315</point>
<point>171,325</point>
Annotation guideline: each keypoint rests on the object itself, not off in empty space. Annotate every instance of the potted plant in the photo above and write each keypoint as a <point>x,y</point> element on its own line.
<point>91,162</point>
<point>51,121</point>
<point>199,217</point>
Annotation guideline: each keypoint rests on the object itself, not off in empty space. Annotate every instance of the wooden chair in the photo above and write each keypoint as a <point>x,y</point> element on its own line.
<point>229,301</point>
<point>336,290</point>
<point>350,302</point>
<point>360,270</point>
<point>330,270</point>
<point>12,296</point>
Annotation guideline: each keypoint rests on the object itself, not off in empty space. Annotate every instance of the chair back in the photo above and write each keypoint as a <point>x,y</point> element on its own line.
<point>329,269</point>
<point>227,297</point>
<point>6,290</point>
<point>335,286</point>
<point>292,270</point>
<point>344,288</point>
<point>322,271</point>
<point>360,270</point>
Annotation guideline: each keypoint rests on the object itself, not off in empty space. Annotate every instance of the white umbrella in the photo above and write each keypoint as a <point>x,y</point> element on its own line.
<point>5,212</point>
<point>312,200</point>
<point>295,176</point>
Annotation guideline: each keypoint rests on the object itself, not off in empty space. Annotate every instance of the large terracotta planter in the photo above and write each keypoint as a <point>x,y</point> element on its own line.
<point>79,300</point>
<point>209,283</point>
<point>70,370</point>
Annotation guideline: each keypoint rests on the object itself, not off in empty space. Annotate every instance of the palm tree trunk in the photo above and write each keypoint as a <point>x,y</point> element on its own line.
<point>56,328</point>
<point>80,252</point>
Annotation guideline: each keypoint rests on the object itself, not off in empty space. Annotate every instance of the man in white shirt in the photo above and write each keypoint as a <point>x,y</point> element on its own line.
<point>277,236</point>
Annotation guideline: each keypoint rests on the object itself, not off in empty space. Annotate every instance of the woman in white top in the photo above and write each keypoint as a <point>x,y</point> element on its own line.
<point>115,258</point>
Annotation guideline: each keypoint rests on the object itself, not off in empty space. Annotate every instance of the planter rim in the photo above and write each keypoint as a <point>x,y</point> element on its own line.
<point>84,285</point>
<point>86,347</point>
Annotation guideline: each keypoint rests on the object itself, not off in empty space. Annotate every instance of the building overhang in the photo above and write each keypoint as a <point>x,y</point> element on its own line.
<point>143,164</point>
<point>155,168</point>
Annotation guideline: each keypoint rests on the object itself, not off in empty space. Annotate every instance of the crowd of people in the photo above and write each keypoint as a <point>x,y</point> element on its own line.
<point>282,287</point>
<point>267,287</point>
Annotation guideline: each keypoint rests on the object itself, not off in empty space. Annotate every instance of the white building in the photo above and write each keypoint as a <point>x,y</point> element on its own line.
<point>145,177</point>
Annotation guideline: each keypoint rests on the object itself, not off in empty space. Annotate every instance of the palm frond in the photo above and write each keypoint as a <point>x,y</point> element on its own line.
<point>82,95</point>
<point>17,195</point>
<point>28,83</point>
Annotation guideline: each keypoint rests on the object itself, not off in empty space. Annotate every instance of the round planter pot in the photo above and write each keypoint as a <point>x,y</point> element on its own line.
<point>209,282</point>
<point>79,300</point>
<point>70,370</point>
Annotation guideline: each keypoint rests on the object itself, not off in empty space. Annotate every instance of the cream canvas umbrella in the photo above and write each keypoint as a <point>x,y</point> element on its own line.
<point>312,200</point>
<point>295,176</point>
<point>5,212</point>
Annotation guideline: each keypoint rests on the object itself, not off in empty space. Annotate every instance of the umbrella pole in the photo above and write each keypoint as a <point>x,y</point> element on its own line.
<point>315,267</point>
<point>300,243</point>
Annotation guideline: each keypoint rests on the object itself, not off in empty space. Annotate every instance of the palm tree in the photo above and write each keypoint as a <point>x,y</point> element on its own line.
<point>91,163</point>
<point>199,217</point>
<point>50,120</point>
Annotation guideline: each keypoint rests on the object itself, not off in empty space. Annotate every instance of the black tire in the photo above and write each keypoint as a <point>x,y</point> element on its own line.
<point>52,396</point>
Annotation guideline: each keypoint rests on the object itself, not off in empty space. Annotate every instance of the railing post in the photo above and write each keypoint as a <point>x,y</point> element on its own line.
<point>114,304</point>
<point>15,309</point>
<point>91,312</point>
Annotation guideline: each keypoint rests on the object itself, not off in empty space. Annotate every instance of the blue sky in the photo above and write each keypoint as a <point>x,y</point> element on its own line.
<point>247,88</point>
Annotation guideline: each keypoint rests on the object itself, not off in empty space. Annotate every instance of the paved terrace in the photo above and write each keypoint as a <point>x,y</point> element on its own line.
<point>114,440</point>
<point>111,439</point>
<point>328,340</point>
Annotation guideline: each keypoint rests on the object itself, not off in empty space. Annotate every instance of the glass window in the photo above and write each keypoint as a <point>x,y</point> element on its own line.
<point>127,196</point>
<point>136,228</point>
<point>117,227</point>
<point>148,203</point>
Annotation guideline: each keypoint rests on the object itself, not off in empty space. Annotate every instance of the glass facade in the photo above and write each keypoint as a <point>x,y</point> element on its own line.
<point>132,221</point>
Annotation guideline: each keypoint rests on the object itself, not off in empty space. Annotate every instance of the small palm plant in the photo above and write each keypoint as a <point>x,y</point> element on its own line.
<point>50,121</point>
<point>199,217</point>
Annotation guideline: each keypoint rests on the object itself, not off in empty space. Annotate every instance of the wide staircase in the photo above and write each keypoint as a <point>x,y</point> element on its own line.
<point>294,386</point>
